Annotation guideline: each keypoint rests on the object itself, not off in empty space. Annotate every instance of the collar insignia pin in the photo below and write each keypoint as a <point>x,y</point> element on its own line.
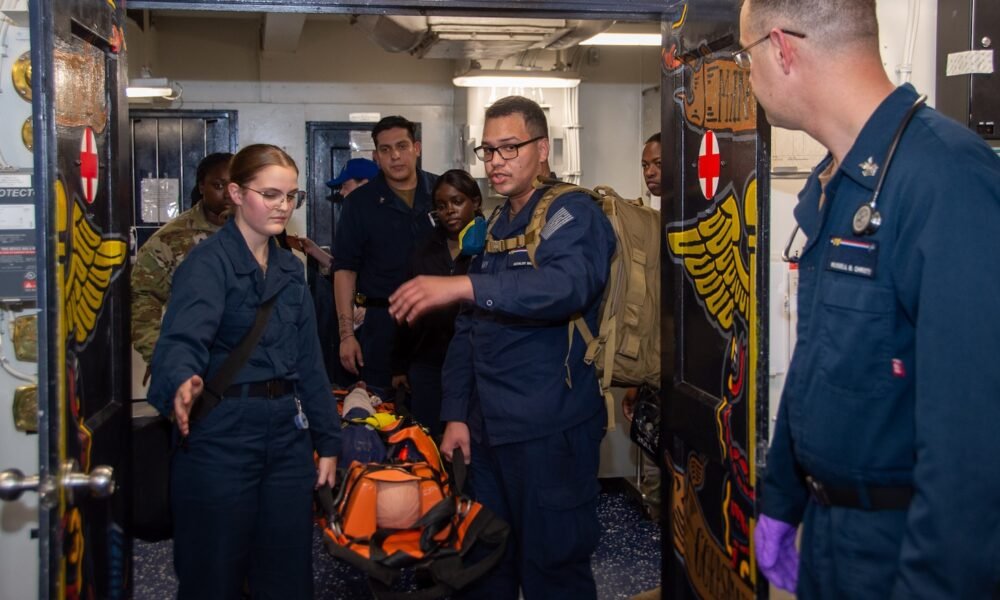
<point>869,167</point>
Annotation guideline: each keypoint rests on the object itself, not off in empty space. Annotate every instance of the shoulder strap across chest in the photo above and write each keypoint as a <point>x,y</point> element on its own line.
<point>532,233</point>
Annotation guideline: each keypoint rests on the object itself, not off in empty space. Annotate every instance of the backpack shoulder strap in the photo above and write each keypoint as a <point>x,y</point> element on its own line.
<point>539,216</point>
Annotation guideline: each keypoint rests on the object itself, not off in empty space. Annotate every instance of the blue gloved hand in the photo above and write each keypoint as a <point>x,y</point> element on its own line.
<point>774,543</point>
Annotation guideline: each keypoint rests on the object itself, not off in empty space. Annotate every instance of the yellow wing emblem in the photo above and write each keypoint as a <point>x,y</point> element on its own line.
<point>711,255</point>
<point>92,264</point>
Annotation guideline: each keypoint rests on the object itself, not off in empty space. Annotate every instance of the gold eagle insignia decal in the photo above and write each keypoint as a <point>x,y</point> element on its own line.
<point>86,268</point>
<point>709,249</point>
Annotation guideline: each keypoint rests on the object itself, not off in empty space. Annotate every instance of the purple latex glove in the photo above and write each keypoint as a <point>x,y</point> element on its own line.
<point>774,542</point>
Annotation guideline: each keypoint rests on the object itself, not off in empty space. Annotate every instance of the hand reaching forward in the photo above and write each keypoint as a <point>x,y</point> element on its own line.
<point>425,293</point>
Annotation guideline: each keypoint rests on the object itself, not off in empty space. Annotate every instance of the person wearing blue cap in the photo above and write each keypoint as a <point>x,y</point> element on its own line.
<point>379,227</point>
<point>356,173</point>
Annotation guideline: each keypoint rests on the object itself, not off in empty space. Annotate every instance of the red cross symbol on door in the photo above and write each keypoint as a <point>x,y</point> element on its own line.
<point>89,169</point>
<point>709,165</point>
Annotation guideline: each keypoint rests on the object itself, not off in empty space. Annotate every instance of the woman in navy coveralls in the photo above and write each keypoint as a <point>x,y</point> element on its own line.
<point>242,480</point>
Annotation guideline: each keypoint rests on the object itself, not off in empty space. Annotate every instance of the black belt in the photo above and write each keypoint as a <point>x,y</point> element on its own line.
<point>273,388</point>
<point>862,497</point>
<point>369,302</point>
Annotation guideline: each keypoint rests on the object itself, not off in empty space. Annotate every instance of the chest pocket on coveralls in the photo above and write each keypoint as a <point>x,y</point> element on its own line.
<point>856,355</point>
<point>283,327</point>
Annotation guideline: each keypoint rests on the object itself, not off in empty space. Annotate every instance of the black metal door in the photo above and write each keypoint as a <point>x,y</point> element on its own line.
<point>82,217</point>
<point>330,146</point>
<point>168,145</point>
<point>714,282</point>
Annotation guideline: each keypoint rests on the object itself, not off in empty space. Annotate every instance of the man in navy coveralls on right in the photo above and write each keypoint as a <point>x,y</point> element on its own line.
<point>885,446</point>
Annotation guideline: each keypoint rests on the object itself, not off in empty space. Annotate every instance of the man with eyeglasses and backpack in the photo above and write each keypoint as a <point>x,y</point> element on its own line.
<point>519,401</point>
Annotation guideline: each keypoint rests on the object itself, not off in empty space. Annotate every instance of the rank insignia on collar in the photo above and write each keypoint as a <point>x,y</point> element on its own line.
<point>869,167</point>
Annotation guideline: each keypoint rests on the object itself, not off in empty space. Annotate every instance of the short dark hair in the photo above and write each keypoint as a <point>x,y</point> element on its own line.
<point>461,181</point>
<point>533,115</point>
<point>394,122</point>
<point>653,138</point>
<point>832,23</point>
<point>207,164</point>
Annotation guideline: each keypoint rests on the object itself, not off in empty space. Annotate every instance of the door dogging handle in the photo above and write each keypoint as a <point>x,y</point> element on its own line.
<point>13,483</point>
<point>100,482</point>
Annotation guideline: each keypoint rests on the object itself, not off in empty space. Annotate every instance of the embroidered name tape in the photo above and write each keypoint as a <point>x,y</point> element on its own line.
<point>853,256</point>
<point>519,258</point>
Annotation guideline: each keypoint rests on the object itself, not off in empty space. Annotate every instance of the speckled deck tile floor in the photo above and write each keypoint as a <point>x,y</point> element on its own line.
<point>627,560</point>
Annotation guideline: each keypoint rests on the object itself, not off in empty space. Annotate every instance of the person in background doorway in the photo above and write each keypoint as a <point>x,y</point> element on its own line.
<point>518,397</point>
<point>885,445</point>
<point>651,169</point>
<point>420,348</point>
<point>160,256</point>
<point>354,174</point>
<point>380,225</point>
<point>243,476</point>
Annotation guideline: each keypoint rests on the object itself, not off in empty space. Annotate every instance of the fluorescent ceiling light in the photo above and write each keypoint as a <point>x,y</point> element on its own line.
<point>623,39</point>
<point>153,87</point>
<point>524,79</point>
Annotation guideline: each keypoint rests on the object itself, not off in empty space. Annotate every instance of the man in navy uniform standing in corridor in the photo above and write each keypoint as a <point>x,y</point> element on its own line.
<point>885,444</point>
<point>380,225</point>
<point>518,397</point>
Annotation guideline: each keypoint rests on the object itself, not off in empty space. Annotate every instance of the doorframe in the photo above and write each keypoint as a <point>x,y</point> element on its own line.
<point>42,34</point>
<point>45,20</point>
<point>634,10</point>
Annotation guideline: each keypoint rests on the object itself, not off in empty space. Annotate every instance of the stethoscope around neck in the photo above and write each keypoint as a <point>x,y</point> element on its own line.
<point>867,219</point>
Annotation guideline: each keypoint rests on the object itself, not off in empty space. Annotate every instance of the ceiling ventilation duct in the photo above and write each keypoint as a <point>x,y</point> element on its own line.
<point>475,38</point>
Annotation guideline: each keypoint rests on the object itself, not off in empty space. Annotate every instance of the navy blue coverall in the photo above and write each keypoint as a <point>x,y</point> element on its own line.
<point>534,408</point>
<point>375,238</point>
<point>241,486</point>
<point>894,379</point>
<point>420,348</point>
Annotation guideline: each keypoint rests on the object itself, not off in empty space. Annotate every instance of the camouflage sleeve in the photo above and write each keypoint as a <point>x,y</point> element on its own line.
<point>151,277</point>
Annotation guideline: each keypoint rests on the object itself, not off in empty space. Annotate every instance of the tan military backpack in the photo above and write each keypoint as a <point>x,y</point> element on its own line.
<point>626,349</point>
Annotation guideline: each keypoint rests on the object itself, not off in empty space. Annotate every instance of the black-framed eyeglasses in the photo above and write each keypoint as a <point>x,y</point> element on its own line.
<point>273,198</point>
<point>507,151</point>
<point>742,56</point>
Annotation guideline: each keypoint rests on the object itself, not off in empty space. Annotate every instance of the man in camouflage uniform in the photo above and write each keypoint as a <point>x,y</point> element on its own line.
<point>159,257</point>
